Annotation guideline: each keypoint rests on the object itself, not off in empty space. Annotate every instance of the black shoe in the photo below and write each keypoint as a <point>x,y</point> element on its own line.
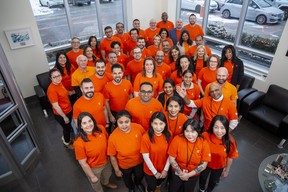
<point>141,187</point>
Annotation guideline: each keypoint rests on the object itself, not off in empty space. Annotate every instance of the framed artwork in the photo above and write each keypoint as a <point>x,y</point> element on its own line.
<point>20,38</point>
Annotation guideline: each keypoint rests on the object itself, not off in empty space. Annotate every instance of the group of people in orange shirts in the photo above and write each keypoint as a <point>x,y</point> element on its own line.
<point>135,99</point>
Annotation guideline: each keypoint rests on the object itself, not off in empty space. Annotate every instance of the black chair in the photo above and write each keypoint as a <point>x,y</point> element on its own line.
<point>245,89</point>
<point>269,110</point>
<point>41,89</point>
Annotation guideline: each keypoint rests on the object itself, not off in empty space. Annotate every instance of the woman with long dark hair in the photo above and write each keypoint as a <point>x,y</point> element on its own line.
<point>93,43</point>
<point>174,54</point>
<point>223,151</point>
<point>154,146</point>
<point>184,42</point>
<point>91,152</point>
<point>182,64</point>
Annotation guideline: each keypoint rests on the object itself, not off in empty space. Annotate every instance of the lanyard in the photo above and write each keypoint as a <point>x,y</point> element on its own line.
<point>175,125</point>
<point>190,158</point>
<point>218,107</point>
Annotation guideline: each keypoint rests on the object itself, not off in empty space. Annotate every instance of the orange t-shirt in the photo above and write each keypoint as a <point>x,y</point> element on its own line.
<point>157,83</point>
<point>122,58</point>
<point>66,79</point>
<point>153,49</point>
<point>166,58</point>
<point>105,44</point>
<point>58,93</point>
<point>206,75</point>
<point>95,150</point>
<point>126,146</point>
<point>133,68</point>
<point>194,31</point>
<point>175,125</point>
<point>211,108</point>
<point>218,151</point>
<point>141,113</point>
<point>164,70</point>
<point>168,25</point>
<point>168,39</point>
<point>179,148</point>
<point>173,66</point>
<point>145,53</point>
<point>90,63</point>
<point>229,66</point>
<point>99,84</point>
<point>72,56</point>
<point>129,46</point>
<point>193,48</point>
<point>142,33</point>
<point>79,75</point>
<point>199,66</point>
<point>178,80</point>
<point>94,106</point>
<point>228,90</point>
<point>178,34</point>
<point>118,95</point>
<point>124,37</point>
<point>150,34</point>
<point>157,152</point>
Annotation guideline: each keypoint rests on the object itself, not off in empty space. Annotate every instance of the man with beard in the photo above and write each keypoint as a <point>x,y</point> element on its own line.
<point>135,66</point>
<point>228,90</point>
<point>193,28</point>
<point>117,92</point>
<point>162,68</point>
<point>100,78</point>
<point>215,104</point>
<point>175,33</point>
<point>105,47</point>
<point>142,45</point>
<point>91,102</point>
<point>166,49</point>
<point>81,72</point>
<point>120,32</point>
<point>165,23</point>
<point>141,108</point>
<point>112,60</point>
<point>142,33</point>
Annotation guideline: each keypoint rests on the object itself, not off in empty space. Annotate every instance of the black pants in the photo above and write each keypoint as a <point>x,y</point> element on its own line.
<point>152,182</point>
<point>138,173</point>
<point>176,184</point>
<point>214,178</point>
<point>66,127</point>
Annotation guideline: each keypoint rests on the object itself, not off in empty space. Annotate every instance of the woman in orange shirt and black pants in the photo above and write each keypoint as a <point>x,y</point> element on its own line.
<point>91,152</point>
<point>124,150</point>
<point>154,148</point>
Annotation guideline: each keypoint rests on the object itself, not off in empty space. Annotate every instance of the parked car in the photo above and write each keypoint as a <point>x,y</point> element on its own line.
<point>259,11</point>
<point>81,2</point>
<point>51,3</point>
<point>220,3</point>
<point>195,5</point>
<point>281,4</point>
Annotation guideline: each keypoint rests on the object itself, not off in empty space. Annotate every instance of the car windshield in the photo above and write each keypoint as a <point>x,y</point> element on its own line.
<point>262,3</point>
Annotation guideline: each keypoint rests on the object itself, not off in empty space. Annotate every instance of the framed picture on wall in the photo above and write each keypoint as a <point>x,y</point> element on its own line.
<point>20,38</point>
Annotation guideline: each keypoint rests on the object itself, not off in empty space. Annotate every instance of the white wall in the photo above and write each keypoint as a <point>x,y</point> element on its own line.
<point>25,62</point>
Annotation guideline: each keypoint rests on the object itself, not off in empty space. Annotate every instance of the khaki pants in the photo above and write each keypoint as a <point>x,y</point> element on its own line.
<point>103,174</point>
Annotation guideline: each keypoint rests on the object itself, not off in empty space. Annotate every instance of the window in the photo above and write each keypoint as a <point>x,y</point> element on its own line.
<point>61,20</point>
<point>254,27</point>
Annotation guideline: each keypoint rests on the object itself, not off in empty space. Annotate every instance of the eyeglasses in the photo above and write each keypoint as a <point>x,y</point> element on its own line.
<point>76,42</point>
<point>213,61</point>
<point>137,52</point>
<point>108,32</point>
<point>57,76</point>
<point>146,92</point>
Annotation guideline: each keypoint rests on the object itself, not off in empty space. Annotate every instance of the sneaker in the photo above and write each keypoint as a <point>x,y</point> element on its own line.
<point>111,186</point>
<point>67,145</point>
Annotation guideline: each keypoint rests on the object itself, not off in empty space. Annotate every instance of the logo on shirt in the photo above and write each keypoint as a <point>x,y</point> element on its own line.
<point>221,109</point>
<point>151,112</point>
<point>136,135</point>
<point>99,103</point>
<point>125,90</point>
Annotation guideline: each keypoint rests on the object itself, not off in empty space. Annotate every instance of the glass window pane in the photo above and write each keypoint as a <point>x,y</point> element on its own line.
<point>4,167</point>
<point>188,7</point>
<point>10,124</point>
<point>111,17</point>
<point>22,145</point>
<point>52,22</point>
<point>5,101</point>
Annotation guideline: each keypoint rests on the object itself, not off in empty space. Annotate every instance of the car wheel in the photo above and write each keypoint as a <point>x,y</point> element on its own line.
<point>285,9</point>
<point>226,14</point>
<point>261,19</point>
<point>197,8</point>
<point>218,6</point>
<point>41,3</point>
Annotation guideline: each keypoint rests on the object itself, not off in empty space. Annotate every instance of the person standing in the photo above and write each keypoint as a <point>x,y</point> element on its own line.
<point>62,109</point>
<point>165,23</point>
<point>152,31</point>
<point>75,52</point>
<point>120,32</point>
<point>175,33</point>
<point>193,28</point>
<point>162,68</point>
<point>223,150</point>
<point>91,152</point>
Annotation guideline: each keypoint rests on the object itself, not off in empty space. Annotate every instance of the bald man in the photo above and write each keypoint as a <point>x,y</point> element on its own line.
<point>214,104</point>
<point>228,90</point>
<point>152,31</point>
<point>175,33</point>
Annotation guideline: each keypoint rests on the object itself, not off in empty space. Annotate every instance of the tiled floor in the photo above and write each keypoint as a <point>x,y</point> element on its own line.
<point>58,170</point>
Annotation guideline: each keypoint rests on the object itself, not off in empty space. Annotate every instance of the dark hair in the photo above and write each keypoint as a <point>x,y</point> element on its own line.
<point>218,60</point>
<point>81,132</point>
<point>133,29</point>
<point>178,66</point>
<point>224,58</point>
<point>188,71</point>
<point>154,64</point>
<point>85,80</point>
<point>158,115</point>
<point>168,80</point>
<point>115,43</point>
<point>226,138</point>
<point>135,20</point>
<point>93,56</point>
<point>89,42</point>
<point>52,71</point>
<point>119,23</point>
<point>100,61</point>
<point>170,53</point>
<point>111,52</point>
<point>107,27</point>
<point>146,83</point>
<point>163,29</point>
<point>140,38</point>
<point>67,64</point>
<point>195,124</point>
<point>189,41</point>
<point>124,113</point>
<point>192,15</point>
<point>115,66</point>
<point>176,99</point>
